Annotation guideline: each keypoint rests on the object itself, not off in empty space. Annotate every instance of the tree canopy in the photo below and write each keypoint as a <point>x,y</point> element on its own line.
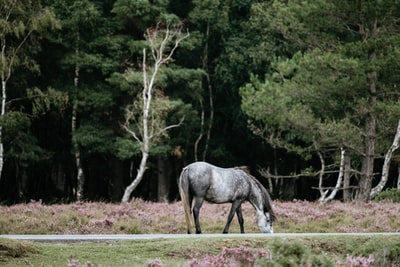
<point>281,86</point>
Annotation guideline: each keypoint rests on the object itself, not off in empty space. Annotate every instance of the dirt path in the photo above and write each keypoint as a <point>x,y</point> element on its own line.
<point>100,238</point>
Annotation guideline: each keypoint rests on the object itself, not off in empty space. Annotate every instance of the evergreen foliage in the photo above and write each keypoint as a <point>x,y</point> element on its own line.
<point>269,84</point>
<point>392,194</point>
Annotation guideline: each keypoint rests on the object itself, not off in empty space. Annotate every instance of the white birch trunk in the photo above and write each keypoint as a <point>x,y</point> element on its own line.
<point>80,176</point>
<point>339,180</point>
<point>386,164</point>
<point>147,96</point>
<point>321,177</point>
<point>139,175</point>
<point>5,74</point>
<point>3,112</point>
<point>398,177</point>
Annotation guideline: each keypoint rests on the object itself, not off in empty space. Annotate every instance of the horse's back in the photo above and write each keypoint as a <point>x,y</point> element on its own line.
<point>203,171</point>
<point>199,174</point>
<point>217,184</point>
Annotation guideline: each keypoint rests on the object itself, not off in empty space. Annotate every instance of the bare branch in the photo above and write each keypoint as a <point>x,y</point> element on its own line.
<point>167,128</point>
<point>333,187</point>
<point>266,174</point>
<point>131,132</point>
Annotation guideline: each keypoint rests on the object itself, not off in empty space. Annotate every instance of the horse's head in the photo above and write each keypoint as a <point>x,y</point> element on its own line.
<point>265,223</point>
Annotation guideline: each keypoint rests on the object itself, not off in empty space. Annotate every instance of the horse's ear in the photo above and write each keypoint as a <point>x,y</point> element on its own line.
<point>246,169</point>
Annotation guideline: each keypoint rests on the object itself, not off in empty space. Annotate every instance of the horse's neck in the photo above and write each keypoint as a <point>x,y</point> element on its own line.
<point>256,196</point>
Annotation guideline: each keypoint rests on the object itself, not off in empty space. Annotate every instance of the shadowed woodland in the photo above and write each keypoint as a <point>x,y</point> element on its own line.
<point>304,93</point>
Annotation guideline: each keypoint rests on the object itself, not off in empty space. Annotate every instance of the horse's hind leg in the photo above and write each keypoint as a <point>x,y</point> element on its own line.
<point>235,205</point>
<point>198,202</point>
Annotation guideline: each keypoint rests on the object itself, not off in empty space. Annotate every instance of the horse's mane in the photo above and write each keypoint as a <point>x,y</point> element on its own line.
<point>266,198</point>
<point>246,169</point>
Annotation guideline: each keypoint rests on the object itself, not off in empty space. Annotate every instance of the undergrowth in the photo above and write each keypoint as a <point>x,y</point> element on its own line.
<point>392,194</point>
<point>274,252</point>
<point>141,217</point>
<point>14,249</point>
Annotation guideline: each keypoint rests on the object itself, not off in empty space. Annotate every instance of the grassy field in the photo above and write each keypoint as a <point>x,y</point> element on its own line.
<point>145,217</point>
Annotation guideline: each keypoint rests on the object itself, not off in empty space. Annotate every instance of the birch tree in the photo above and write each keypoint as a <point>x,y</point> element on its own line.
<point>163,40</point>
<point>19,21</point>
<point>386,164</point>
<point>339,181</point>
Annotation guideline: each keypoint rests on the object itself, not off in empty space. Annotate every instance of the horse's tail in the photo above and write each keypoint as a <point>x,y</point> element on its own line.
<point>184,192</point>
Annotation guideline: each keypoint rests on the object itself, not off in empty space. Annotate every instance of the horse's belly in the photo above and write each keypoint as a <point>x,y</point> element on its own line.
<point>220,193</point>
<point>218,199</point>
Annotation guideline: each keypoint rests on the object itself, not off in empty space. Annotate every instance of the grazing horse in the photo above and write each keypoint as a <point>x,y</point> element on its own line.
<point>202,181</point>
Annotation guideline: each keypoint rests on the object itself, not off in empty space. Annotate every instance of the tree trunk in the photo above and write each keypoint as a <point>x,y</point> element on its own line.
<point>5,75</point>
<point>162,181</point>
<point>386,164</point>
<point>367,167</point>
<point>3,112</point>
<point>115,183</point>
<point>139,175</point>
<point>147,96</point>
<point>58,178</point>
<point>398,177</point>
<point>196,144</point>
<point>80,177</point>
<point>347,196</point>
<point>321,177</point>
<point>210,93</point>
<point>339,180</point>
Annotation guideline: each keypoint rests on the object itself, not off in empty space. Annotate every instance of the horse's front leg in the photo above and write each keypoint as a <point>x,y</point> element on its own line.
<point>240,218</point>
<point>235,205</point>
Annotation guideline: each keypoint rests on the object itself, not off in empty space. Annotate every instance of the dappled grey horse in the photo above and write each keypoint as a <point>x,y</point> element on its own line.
<point>201,181</point>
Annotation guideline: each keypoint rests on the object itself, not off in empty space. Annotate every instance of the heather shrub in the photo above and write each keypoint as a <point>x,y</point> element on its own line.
<point>14,248</point>
<point>295,254</point>
<point>235,257</point>
<point>143,217</point>
<point>392,194</point>
<point>359,261</point>
<point>155,263</point>
<point>76,263</point>
<point>129,228</point>
<point>383,251</point>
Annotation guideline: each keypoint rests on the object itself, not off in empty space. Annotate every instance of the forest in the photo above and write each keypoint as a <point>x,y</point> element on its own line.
<point>303,92</point>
